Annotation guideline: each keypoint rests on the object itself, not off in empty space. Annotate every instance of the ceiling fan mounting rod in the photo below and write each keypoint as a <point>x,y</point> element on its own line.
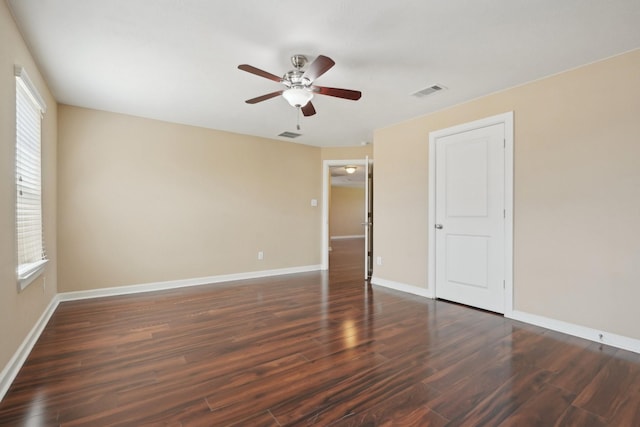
<point>298,61</point>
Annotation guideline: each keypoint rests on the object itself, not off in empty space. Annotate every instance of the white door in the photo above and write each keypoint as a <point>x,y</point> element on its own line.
<point>470,217</point>
<point>368,219</point>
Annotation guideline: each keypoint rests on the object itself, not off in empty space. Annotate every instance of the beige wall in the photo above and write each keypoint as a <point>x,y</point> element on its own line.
<point>347,153</point>
<point>346,213</point>
<point>143,201</point>
<point>20,311</point>
<point>577,194</point>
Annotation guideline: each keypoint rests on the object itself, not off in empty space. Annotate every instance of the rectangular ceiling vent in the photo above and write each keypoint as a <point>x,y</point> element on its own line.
<point>428,91</point>
<point>290,134</point>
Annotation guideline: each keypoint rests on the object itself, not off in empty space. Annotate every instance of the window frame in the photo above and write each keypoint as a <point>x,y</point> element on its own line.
<point>27,272</point>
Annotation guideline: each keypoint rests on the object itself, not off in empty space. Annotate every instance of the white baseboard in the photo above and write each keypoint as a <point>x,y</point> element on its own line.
<point>173,284</point>
<point>358,236</point>
<point>590,334</point>
<point>402,287</point>
<point>12,368</point>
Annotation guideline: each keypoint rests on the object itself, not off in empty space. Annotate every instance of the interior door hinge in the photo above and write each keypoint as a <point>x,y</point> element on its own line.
<point>504,143</point>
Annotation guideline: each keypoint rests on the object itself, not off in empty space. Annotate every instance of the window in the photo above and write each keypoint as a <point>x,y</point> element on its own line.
<point>29,231</point>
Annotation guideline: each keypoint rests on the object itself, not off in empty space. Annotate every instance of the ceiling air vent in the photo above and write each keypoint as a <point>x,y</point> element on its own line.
<point>290,134</point>
<point>428,91</point>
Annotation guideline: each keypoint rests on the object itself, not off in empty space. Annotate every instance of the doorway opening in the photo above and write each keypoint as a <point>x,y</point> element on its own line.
<point>346,215</point>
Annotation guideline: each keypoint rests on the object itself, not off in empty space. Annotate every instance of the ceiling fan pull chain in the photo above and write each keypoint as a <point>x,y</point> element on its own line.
<point>298,125</point>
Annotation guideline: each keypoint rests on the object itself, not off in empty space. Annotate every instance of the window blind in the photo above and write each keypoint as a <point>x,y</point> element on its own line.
<point>29,225</point>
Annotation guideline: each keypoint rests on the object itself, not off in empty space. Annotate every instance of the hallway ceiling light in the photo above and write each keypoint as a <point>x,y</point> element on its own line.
<point>350,169</point>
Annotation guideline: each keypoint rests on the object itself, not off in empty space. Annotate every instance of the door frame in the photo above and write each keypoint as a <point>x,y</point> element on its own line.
<point>326,183</point>
<point>506,119</point>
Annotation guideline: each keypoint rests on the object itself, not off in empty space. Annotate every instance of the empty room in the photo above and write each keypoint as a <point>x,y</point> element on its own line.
<point>343,213</point>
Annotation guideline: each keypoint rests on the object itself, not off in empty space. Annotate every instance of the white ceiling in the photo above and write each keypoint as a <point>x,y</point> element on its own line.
<point>176,60</point>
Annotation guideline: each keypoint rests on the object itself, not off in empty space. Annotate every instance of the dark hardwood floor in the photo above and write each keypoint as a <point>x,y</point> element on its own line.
<point>312,349</point>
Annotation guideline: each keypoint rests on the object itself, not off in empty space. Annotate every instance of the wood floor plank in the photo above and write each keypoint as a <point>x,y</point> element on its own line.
<point>575,416</point>
<point>474,360</point>
<point>465,395</point>
<point>555,402</point>
<point>578,371</point>
<point>503,403</point>
<point>407,408</point>
<point>617,383</point>
<point>318,348</point>
<point>357,393</point>
<point>296,385</point>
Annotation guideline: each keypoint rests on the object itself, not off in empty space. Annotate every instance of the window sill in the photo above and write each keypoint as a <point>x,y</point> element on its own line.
<point>30,272</point>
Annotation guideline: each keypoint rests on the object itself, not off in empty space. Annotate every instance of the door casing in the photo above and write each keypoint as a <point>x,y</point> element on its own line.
<point>507,120</point>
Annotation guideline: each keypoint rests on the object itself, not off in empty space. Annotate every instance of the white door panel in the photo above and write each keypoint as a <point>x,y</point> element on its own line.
<point>467,260</point>
<point>470,207</point>
<point>466,178</point>
<point>368,219</point>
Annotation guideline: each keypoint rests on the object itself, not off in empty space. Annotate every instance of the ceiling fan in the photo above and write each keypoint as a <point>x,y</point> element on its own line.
<point>299,83</point>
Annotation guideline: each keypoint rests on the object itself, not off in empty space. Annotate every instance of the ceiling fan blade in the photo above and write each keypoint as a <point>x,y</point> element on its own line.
<point>258,72</point>
<point>263,97</point>
<point>353,95</point>
<point>318,67</point>
<point>308,109</point>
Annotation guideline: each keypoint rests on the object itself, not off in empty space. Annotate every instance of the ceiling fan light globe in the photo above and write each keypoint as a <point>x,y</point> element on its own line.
<point>297,97</point>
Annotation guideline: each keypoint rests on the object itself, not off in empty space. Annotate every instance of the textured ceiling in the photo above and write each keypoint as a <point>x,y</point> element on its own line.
<point>176,60</point>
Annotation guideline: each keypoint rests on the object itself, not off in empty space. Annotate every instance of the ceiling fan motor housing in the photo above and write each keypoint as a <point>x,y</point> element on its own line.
<point>294,79</point>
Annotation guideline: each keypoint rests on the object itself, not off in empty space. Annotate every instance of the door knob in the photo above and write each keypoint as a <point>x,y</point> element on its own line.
<point>439,226</point>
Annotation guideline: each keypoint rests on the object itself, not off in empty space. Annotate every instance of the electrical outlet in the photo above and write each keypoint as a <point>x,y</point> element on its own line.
<point>260,255</point>
<point>379,260</point>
